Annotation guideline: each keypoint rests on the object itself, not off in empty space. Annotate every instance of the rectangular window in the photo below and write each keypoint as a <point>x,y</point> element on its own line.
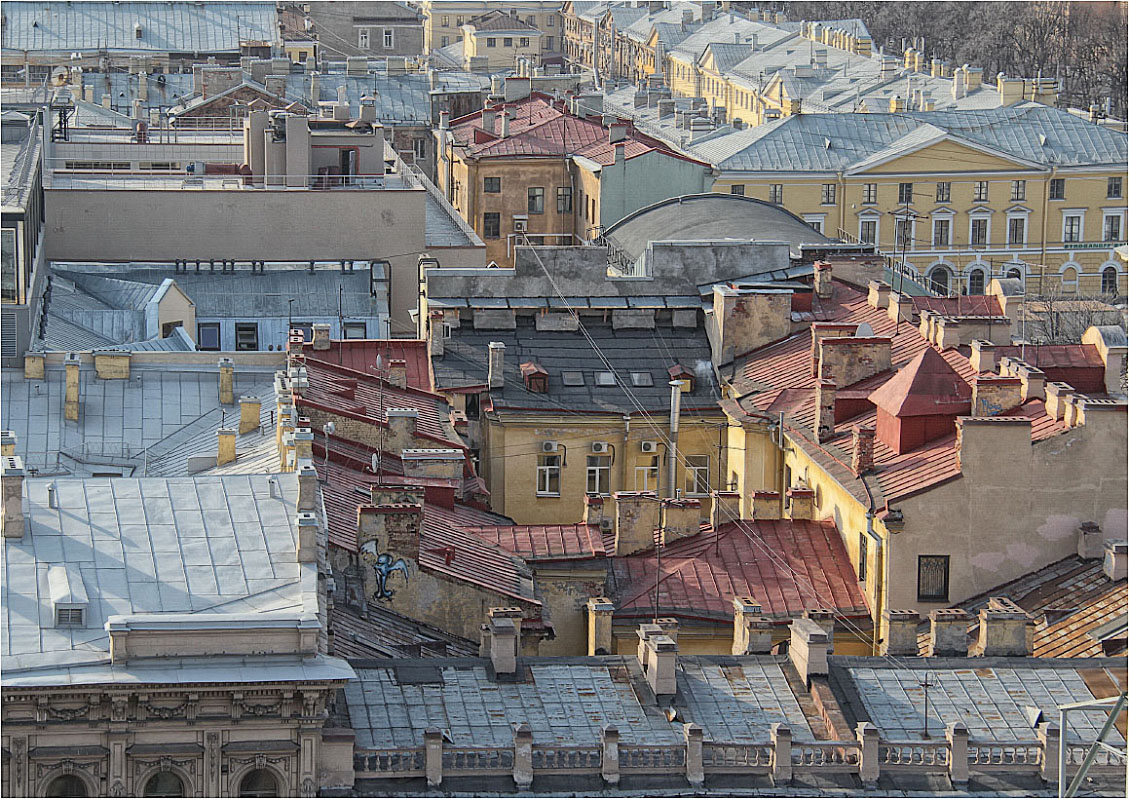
<point>507,41</point>
<point>933,578</point>
<point>355,330</point>
<point>1058,189</point>
<point>940,232</point>
<point>647,474</point>
<point>536,200</point>
<point>1017,230</point>
<point>697,475</point>
<point>738,189</point>
<point>492,185</point>
<point>870,192</point>
<point>387,38</point>
<point>491,42</point>
<point>564,199</point>
<point>208,336</point>
<point>1072,229</point>
<point>523,42</point>
<point>419,148</point>
<point>1018,190</point>
<point>548,475</point>
<point>905,193</point>
<point>11,287</point>
<point>903,234</point>
<point>827,194</point>
<point>776,193</point>
<point>1113,188</point>
<point>868,231</point>
<point>246,336</point>
<point>980,191</point>
<point>446,21</point>
<point>978,234</point>
<point>1111,228</point>
<point>944,191</point>
<point>863,547</point>
<point>362,39</point>
<point>446,41</point>
<point>548,43</point>
<point>599,477</point>
<point>491,225</point>
<point>815,224</point>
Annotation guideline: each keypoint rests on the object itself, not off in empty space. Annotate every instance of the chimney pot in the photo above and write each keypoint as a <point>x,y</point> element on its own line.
<point>948,632</point>
<point>1116,564</point>
<point>862,448</point>
<point>1091,541</point>
<point>1006,630</point>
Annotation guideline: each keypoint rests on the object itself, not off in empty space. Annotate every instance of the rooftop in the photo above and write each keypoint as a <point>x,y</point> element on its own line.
<point>19,155</point>
<point>166,27</point>
<point>500,21</point>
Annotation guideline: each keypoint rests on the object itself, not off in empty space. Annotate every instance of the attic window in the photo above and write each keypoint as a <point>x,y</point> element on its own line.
<point>605,378</point>
<point>68,596</point>
<point>535,377</point>
<point>572,378</point>
<point>683,375</point>
<point>642,379</point>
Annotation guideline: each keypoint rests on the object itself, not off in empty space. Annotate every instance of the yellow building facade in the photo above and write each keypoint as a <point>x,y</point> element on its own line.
<point>444,21</point>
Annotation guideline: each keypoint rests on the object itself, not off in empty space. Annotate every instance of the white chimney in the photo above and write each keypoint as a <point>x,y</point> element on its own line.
<point>1116,564</point>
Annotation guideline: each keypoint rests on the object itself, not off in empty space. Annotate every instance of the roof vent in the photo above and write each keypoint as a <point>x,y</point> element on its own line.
<point>68,595</point>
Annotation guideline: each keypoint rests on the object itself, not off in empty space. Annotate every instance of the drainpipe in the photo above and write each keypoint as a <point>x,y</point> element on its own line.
<point>879,567</point>
<point>626,449</point>
<point>842,202</point>
<point>672,450</point>
<point>1043,241</point>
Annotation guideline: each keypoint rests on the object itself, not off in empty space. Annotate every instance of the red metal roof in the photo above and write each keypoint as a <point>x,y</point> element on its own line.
<point>788,566</point>
<point>547,541</point>
<point>360,356</point>
<point>926,386</point>
<point>975,305</point>
<point>1080,365</point>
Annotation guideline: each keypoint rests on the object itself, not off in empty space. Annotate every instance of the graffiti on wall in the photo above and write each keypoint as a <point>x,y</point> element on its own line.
<point>383,567</point>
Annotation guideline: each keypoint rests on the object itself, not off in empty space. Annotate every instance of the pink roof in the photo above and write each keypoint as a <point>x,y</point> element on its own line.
<point>360,356</point>
<point>547,541</point>
<point>926,386</point>
<point>788,566</point>
<point>975,305</point>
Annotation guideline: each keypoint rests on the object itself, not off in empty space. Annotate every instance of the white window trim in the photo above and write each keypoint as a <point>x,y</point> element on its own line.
<point>1069,212</point>
<point>980,266</point>
<point>364,39</point>
<point>691,475</point>
<point>389,38</point>
<point>987,229</point>
<point>877,220</point>
<point>912,247</point>
<point>820,218</point>
<point>646,486</point>
<point>1026,232</point>
<point>1077,273</point>
<point>943,216</point>
<point>1121,216</point>
<point>545,470</point>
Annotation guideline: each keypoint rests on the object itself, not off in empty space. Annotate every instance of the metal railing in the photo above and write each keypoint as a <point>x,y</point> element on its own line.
<point>26,162</point>
<point>178,181</point>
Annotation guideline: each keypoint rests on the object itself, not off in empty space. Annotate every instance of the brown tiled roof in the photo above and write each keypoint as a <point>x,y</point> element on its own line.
<point>501,21</point>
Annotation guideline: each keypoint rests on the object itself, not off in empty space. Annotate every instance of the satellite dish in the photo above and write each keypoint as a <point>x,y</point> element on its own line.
<point>375,463</point>
<point>864,331</point>
<point>379,363</point>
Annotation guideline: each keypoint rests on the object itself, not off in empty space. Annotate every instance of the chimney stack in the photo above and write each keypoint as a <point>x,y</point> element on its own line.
<point>1006,630</point>
<point>70,403</point>
<point>1091,541</point>
<point>752,632</point>
<point>823,284</point>
<point>321,337</point>
<point>807,649</point>
<point>901,632</point>
<point>307,524</point>
<point>505,640</point>
<point>307,488</point>
<point>398,372</point>
<point>600,610</point>
<point>250,409</point>
<point>681,518</point>
<point>227,381</point>
<point>225,446</point>
<point>766,505</point>
<point>496,376</point>
<point>726,508</point>
<point>659,658</point>
<point>824,409</point>
<point>800,502</point>
<point>636,519</point>
<point>948,632</point>
<point>862,448</point>
<point>1116,564</point>
<point>12,491</point>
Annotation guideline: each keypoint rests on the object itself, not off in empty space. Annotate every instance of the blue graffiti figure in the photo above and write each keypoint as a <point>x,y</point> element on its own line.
<point>383,568</point>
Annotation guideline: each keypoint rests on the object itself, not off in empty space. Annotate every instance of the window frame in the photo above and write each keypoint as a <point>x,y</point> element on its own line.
<point>1018,191</point>
<point>697,476</point>
<point>348,328</point>
<point>864,551</point>
<point>243,328</point>
<point>535,200</point>
<point>942,596</point>
<point>488,181</point>
<point>869,193</point>
<point>905,193</point>
<point>776,193</point>
<point>987,220</point>
<point>564,199</point>
<point>1011,241</point>
<point>1056,190</point>
<point>1113,193</point>
<point>873,222</point>
<point>548,473</point>
<point>389,38</point>
<point>200,326</point>
<point>1109,285</point>
<point>491,219</point>
<point>945,241</point>
<point>1106,227</point>
<point>1072,228</point>
<point>363,39</point>
<point>649,473</point>
<point>976,271</point>
<point>601,470</point>
<point>827,192</point>
<point>980,191</point>
<point>491,41</point>
<point>737,189</point>
<point>944,191</point>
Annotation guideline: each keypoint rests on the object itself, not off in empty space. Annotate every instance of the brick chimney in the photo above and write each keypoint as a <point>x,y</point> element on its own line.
<point>1091,541</point>
<point>766,505</point>
<point>993,395</point>
<point>752,631</point>
<point>1006,630</point>
<point>681,518</point>
<point>504,644</point>
<point>496,378</point>
<point>824,409</point>
<point>807,649</point>
<point>848,359</point>
<point>726,508</point>
<point>800,502</point>
<point>398,372</point>
<point>307,488</point>
<point>401,427</point>
<point>600,612</point>
<point>12,491</point>
<point>948,632</point>
<point>393,528</point>
<point>636,519</point>
<point>1116,563</point>
<point>321,337</point>
<point>823,285</point>
<point>862,448</point>
<point>749,318</point>
<point>307,524</point>
<point>900,634</point>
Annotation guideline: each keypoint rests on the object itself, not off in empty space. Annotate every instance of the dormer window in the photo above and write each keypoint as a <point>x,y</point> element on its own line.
<point>684,376</point>
<point>68,596</point>
<point>535,377</point>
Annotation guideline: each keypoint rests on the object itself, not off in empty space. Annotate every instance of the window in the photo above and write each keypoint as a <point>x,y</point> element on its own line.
<point>870,193</point>
<point>903,234</point>
<point>605,379</point>
<point>1109,280</point>
<point>697,475</point>
<point>492,185</point>
<point>944,190</point>
<point>572,378</point>
<point>523,42</point>
<point>939,281</point>
<point>863,546</point>
<point>599,476</point>
<point>459,22</point>
<point>941,232</point>
<point>419,148</point>
<point>978,233</point>
<point>69,617</point>
<point>548,42</point>
<point>1069,280</point>
<point>868,231</point>
<point>815,223</point>
<point>1015,273</point>
<point>446,41</point>
<point>905,193</point>
<point>776,193</point>
<point>536,200</point>
<point>507,41</point>
<point>1113,188</point>
<point>1058,189</point>
<point>591,209</point>
<point>1017,230</point>
<point>491,42</point>
<point>259,782</point>
<point>737,189</point>
<point>164,783</point>
<point>208,336</point>
<point>976,281</point>
<point>642,379</point>
<point>980,191</point>
<point>355,330</point>
<point>933,578</point>
<point>1018,190</point>
<point>247,336</point>
<point>564,199</point>
<point>827,194</point>
<point>549,475</point>
<point>388,38</point>
<point>11,288</point>
<point>1072,228</point>
<point>1111,228</point>
<point>491,225</point>
<point>67,785</point>
<point>362,39</point>
<point>446,21</point>
<point>647,473</point>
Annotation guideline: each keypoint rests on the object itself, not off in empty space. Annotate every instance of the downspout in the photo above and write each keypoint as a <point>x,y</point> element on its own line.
<point>626,439</point>
<point>1043,241</point>
<point>842,198</point>
<point>880,556</point>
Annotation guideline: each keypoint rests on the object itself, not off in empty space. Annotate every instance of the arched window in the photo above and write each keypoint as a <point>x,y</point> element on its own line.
<point>1109,280</point>
<point>1069,280</point>
<point>67,785</point>
<point>164,783</point>
<point>1015,272</point>
<point>939,280</point>
<point>976,281</point>
<point>259,782</point>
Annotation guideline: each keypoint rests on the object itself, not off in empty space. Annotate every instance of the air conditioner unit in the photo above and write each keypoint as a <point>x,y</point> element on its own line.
<point>601,447</point>
<point>548,446</point>
<point>649,446</point>
<point>520,225</point>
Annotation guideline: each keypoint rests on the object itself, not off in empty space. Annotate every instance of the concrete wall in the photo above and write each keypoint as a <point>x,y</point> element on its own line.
<point>645,180</point>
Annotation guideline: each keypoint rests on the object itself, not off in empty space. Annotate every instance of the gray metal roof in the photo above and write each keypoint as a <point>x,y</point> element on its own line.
<point>653,352</point>
<point>147,546</point>
<point>1029,131</point>
<point>166,27</point>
